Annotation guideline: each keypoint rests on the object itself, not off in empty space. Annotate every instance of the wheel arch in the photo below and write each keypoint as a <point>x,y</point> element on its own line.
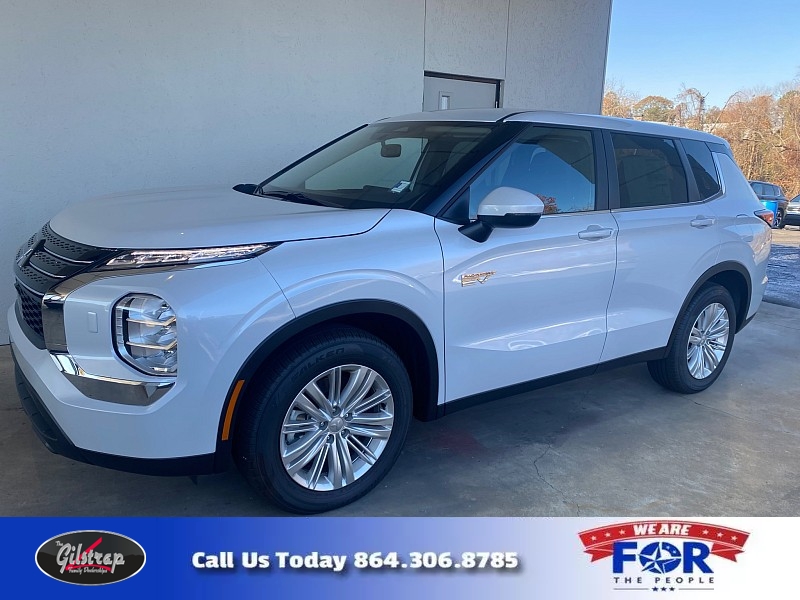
<point>734,277</point>
<point>395,324</point>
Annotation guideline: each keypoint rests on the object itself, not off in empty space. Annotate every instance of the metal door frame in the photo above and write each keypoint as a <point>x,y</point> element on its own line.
<point>496,82</point>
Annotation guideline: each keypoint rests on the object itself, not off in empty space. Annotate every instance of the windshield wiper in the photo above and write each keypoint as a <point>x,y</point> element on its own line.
<point>298,197</point>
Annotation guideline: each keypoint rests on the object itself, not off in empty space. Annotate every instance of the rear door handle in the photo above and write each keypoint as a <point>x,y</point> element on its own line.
<point>595,232</point>
<point>701,222</point>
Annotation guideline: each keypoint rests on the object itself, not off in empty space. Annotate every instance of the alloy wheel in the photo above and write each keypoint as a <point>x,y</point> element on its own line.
<point>708,340</point>
<point>337,427</point>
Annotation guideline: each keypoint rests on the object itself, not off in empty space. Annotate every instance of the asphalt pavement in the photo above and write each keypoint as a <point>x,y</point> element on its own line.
<point>784,268</point>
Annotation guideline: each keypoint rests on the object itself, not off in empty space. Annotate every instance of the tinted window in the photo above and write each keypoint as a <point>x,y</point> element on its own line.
<point>650,171</point>
<point>703,168</point>
<point>557,165</point>
<point>386,165</point>
<point>758,188</point>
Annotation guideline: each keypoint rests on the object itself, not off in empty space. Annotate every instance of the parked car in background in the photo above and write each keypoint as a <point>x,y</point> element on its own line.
<point>769,192</point>
<point>413,266</point>
<point>793,212</point>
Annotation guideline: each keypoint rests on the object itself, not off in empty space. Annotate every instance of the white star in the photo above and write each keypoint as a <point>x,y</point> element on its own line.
<point>705,531</point>
<point>719,535</point>
<point>622,532</point>
<point>734,538</point>
<point>608,534</point>
<point>594,538</point>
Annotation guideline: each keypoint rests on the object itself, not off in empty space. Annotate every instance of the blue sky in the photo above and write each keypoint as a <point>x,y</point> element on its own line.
<point>717,46</point>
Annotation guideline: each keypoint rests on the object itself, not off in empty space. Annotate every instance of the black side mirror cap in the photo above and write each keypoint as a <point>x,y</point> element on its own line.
<point>246,188</point>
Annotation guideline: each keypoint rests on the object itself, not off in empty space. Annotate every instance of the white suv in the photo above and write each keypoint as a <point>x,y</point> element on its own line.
<point>413,266</point>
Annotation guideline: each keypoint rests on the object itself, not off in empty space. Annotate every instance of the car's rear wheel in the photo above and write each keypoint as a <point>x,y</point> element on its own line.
<point>780,220</point>
<point>701,345</point>
<point>326,422</point>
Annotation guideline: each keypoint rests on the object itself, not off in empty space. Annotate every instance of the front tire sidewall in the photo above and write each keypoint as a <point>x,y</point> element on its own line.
<point>269,464</point>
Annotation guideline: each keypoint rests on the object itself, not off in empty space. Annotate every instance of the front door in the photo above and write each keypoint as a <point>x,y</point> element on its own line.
<point>531,302</point>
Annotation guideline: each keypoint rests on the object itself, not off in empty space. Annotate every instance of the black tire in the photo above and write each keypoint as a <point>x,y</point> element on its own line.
<point>672,372</point>
<point>258,433</point>
<point>781,221</point>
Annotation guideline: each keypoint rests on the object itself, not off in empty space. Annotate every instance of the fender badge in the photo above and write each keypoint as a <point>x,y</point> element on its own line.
<point>470,278</point>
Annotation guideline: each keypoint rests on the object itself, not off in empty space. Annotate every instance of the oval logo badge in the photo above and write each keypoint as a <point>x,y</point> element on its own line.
<point>90,557</point>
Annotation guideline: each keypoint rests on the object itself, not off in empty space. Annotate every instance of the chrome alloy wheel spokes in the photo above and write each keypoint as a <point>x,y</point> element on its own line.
<point>337,427</point>
<point>708,340</point>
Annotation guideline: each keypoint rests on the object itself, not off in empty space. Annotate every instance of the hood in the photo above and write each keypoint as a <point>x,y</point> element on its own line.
<point>203,217</point>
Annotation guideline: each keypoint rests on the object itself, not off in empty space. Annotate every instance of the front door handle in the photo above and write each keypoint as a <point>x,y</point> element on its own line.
<point>702,221</point>
<point>595,232</point>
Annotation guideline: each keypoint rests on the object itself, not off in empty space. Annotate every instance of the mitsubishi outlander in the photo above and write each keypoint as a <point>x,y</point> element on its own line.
<point>408,268</point>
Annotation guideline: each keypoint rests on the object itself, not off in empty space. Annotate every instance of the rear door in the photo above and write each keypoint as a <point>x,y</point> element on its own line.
<point>667,239</point>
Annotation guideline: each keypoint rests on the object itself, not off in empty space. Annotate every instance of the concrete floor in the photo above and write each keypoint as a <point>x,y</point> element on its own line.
<point>612,444</point>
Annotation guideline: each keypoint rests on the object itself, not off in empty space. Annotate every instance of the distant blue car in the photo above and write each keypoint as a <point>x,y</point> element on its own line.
<point>772,197</point>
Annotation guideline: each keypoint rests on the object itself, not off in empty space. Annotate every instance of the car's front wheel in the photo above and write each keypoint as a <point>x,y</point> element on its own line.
<point>780,220</point>
<point>701,345</point>
<point>326,422</point>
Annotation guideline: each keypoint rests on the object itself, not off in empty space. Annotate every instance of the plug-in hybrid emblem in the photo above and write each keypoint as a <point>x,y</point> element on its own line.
<point>470,278</point>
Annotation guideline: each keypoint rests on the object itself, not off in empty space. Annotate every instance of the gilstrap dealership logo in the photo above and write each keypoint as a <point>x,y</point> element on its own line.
<point>90,557</point>
<point>663,556</point>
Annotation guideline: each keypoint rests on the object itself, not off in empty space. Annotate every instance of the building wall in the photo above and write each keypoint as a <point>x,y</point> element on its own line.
<point>466,37</point>
<point>557,54</point>
<point>101,97</point>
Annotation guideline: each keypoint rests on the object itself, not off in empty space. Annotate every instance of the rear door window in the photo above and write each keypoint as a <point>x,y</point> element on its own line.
<point>703,168</point>
<point>650,171</point>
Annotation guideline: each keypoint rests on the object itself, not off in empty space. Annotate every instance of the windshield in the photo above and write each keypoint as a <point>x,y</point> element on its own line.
<point>386,165</point>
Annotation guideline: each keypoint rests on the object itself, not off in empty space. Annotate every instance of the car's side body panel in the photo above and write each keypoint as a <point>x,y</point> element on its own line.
<point>527,303</point>
<point>399,261</point>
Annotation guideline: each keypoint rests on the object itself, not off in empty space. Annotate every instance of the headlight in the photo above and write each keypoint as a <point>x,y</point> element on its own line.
<point>152,258</point>
<point>147,334</point>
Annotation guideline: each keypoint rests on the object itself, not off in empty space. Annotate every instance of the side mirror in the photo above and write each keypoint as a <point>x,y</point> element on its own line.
<point>246,188</point>
<point>504,207</point>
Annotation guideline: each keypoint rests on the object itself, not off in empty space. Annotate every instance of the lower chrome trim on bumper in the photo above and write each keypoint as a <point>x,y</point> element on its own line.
<point>108,389</point>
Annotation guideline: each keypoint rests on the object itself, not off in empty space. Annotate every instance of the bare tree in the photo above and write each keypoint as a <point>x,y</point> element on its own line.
<point>618,101</point>
<point>691,108</point>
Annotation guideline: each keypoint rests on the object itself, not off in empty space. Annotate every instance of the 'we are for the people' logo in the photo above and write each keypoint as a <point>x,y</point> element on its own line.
<point>663,556</point>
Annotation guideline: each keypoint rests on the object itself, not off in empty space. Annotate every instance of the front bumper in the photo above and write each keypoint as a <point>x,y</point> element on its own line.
<point>224,313</point>
<point>57,442</point>
<point>791,218</point>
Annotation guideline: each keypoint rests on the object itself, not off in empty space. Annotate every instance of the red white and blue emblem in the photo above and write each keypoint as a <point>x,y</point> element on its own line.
<point>663,556</point>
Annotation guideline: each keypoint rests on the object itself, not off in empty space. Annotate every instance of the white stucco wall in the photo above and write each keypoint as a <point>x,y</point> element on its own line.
<point>557,54</point>
<point>101,97</point>
<point>466,37</point>
<point>550,54</point>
